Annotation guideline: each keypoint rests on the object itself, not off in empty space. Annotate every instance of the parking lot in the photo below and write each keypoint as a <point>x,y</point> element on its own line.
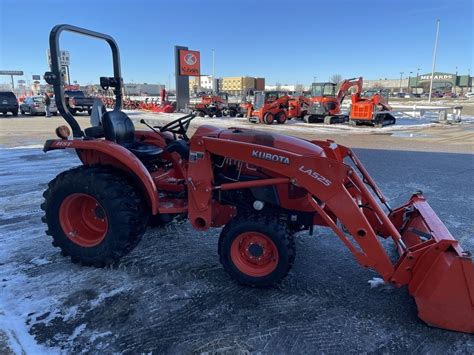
<point>171,295</point>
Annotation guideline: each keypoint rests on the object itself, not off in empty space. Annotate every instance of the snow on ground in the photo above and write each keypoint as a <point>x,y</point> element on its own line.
<point>170,295</point>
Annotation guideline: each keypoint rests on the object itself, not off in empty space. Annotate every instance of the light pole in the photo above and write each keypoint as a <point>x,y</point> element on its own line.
<point>409,81</point>
<point>213,69</point>
<point>314,79</point>
<point>434,60</point>
<point>417,75</point>
<point>401,75</point>
<point>455,80</point>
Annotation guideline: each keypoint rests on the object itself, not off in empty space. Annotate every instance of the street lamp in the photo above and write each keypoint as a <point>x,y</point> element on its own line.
<point>401,75</point>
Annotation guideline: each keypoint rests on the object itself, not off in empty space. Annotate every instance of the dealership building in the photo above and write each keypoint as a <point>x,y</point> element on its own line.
<point>442,82</point>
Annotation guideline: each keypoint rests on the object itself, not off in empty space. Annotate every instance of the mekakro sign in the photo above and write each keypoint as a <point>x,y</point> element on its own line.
<point>438,77</point>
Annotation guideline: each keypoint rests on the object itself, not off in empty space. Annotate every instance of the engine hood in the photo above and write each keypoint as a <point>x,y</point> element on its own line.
<point>274,140</point>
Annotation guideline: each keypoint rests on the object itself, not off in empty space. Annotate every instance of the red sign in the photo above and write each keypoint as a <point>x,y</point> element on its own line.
<point>189,63</point>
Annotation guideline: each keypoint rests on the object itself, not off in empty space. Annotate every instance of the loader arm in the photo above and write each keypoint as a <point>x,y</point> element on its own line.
<point>431,262</point>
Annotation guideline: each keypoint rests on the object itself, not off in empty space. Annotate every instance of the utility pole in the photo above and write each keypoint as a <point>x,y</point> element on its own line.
<point>434,60</point>
<point>401,74</point>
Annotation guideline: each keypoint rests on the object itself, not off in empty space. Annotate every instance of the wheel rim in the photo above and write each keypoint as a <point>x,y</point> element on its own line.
<point>83,220</point>
<point>269,118</point>
<point>254,254</point>
<point>282,118</point>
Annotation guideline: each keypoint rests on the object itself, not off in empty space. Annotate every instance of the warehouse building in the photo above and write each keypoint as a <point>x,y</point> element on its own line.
<point>143,89</point>
<point>442,82</point>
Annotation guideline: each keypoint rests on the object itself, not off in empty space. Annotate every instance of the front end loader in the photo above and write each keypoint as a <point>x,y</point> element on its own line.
<point>260,187</point>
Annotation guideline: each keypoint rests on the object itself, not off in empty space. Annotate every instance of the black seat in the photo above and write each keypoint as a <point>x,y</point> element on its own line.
<point>119,128</point>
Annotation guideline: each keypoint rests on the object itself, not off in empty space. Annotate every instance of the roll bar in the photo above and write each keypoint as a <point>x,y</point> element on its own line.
<point>54,76</point>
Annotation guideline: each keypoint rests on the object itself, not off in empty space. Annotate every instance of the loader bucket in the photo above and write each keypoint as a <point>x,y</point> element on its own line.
<point>441,274</point>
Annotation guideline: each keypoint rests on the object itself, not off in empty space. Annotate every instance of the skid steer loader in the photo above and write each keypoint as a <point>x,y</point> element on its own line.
<point>261,187</point>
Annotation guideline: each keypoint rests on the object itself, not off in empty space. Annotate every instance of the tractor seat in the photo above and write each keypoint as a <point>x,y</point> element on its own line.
<point>144,151</point>
<point>119,128</point>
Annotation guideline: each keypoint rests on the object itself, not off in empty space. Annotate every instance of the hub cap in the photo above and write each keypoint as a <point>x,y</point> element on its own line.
<point>254,254</point>
<point>83,220</point>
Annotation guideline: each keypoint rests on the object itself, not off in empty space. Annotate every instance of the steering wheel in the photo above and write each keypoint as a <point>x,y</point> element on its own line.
<point>179,126</point>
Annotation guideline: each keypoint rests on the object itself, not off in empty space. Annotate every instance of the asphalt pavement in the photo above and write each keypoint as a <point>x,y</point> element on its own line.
<point>171,295</point>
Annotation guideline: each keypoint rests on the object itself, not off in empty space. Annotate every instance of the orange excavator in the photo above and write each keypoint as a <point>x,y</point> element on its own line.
<point>371,107</point>
<point>326,103</point>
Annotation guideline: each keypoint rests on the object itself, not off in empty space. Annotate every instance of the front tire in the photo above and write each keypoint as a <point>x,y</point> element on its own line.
<point>95,215</point>
<point>256,250</point>
<point>268,118</point>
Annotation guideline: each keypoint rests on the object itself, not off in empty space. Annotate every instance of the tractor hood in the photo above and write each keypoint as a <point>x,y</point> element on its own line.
<point>274,140</point>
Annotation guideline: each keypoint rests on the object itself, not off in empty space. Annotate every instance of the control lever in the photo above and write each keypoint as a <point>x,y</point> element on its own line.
<point>151,127</point>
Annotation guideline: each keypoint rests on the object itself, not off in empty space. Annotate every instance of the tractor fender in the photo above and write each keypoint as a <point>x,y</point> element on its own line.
<point>109,153</point>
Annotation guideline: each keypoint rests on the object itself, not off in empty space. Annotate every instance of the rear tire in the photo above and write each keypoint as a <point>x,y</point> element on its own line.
<point>95,215</point>
<point>280,117</point>
<point>256,250</point>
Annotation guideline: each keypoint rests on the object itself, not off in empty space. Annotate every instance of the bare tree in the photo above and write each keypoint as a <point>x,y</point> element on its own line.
<point>336,78</point>
<point>299,88</point>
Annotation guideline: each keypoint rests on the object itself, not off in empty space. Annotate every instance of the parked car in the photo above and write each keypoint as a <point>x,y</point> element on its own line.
<point>34,105</point>
<point>77,101</point>
<point>8,103</point>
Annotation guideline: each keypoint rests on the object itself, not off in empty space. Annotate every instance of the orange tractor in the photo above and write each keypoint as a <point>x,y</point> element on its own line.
<point>269,107</point>
<point>278,106</point>
<point>216,105</point>
<point>371,107</point>
<point>326,103</point>
<point>263,188</point>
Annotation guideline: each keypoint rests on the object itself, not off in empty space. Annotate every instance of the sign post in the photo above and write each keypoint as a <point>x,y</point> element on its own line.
<point>187,63</point>
<point>64,61</point>
<point>11,73</point>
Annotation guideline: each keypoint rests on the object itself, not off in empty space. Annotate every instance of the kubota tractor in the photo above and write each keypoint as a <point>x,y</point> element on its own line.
<point>326,103</point>
<point>298,107</point>
<point>269,107</point>
<point>261,187</point>
<point>371,107</point>
<point>216,105</point>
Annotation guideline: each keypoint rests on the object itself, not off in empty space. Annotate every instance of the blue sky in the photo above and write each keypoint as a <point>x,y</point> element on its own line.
<point>283,41</point>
